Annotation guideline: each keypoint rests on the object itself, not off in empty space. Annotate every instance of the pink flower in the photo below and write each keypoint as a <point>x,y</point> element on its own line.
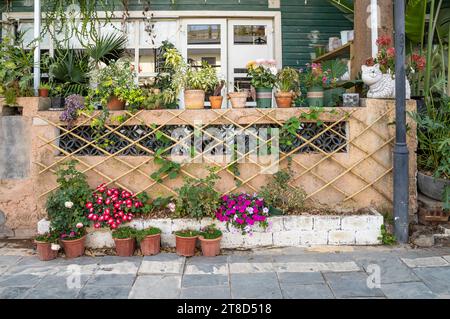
<point>79,225</point>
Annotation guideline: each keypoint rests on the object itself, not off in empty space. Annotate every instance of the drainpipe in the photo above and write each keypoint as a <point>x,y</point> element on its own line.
<point>374,26</point>
<point>401,153</point>
<point>37,49</point>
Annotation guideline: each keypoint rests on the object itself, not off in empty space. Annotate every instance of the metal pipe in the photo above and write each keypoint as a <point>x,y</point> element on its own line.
<point>401,153</point>
<point>37,49</point>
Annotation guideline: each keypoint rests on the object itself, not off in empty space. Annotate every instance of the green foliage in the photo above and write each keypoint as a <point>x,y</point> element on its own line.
<point>386,237</point>
<point>167,167</point>
<point>124,233</point>
<point>45,86</point>
<point>141,234</point>
<point>51,237</point>
<point>288,80</point>
<point>107,48</point>
<point>201,78</point>
<point>73,188</point>
<point>197,198</point>
<point>188,233</point>
<point>210,232</point>
<point>279,194</point>
<point>335,70</point>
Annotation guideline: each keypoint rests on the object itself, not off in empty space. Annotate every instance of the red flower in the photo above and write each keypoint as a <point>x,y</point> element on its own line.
<point>370,62</point>
<point>390,52</point>
<point>384,41</point>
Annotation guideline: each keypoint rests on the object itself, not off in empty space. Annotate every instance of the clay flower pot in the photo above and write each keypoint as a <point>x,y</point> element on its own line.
<point>216,102</point>
<point>238,99</point>
<point>185,246</point>
<point>125,247</point>
<point>74,248</point>
<point>150,245</point>
<point>45,251</point>
<point>194,99</point>
<point>114,104</point>
<point>210,247</point>
<point>43,92</point>
<point>284,99</point>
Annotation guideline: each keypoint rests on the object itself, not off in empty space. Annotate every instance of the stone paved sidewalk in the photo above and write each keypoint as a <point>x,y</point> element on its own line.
<point>271,274</point>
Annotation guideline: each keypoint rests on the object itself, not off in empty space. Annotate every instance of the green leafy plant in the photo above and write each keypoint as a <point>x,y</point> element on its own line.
<point>141,234</point>
<point>210,232</point>
<point>65,206</point>
<point>197,198</point>
<point>386,237</point>
<point>263,73</point>
<point>50,237</point>
<point>187,233</point>
<point>287,80</point>
<point>124,233</point>
<point>201,78</point>
<point>279,194</point>
<point>45,86</point>
<point>167,167</point>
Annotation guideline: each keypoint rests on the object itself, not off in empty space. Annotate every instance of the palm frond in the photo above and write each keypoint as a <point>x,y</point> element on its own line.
<point>107,48</point>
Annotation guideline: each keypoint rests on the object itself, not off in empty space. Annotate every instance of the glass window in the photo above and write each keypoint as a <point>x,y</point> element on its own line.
<point>146,61</point>
<point>27,28</point>
<point>204,34</point>
<point>250,34</point>
<point>152,35</point>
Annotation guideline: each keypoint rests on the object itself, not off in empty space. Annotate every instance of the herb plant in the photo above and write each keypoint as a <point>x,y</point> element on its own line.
<point>187,233</point>
<point>141,234</point>
<point>210,232</point>
<point>124,233</point>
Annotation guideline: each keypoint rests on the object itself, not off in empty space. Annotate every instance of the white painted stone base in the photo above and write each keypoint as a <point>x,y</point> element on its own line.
<point>286,231</point>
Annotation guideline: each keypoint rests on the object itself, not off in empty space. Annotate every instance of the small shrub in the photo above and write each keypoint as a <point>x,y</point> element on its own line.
<point>51,237</point>
<point>187,233</point>
<point>386,237</point>
<point>141,234</point>
<point>211,232</point>
<point>124,233</point>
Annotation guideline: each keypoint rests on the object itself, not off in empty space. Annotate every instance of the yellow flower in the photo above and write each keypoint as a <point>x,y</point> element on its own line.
<point>250,64</point>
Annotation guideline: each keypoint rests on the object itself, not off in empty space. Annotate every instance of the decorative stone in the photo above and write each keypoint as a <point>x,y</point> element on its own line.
<point>354,222</point>
<point>286,238</point>
<point>230,240</point>
<point>341,237</point>
<point>324,223</point>
<point>313,237</point>
<point>381,86</point>
<point>258,240</point>
<point>298,222</point>
<point>423,241</point>
<point>99,238</point>
<point>43,226</point>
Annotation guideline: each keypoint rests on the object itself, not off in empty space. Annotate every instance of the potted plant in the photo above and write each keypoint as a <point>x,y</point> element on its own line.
<point>185,242</point>
<point>216,98</point>
<point>263,78</point>
<point>287,83</point>
<point>73,104</point>
<point>47,246</point>
<point>149,240</point>
<point>124,238</point>
<point>333,90</point>
<point>114,82</point>
<point>73,241</point>
<point>198,80</point>
<point>238,98</point>
<point>242,212</point>
<point>44,89</point>
<point>210,238</point>
<point>65,208</point>
<point>57,100</point>
<point>433,155</point>
<point>313,77</point>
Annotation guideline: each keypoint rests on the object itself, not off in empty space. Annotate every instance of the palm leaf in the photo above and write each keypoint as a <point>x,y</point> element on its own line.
<point>416,11</point>
<point>107,48</point>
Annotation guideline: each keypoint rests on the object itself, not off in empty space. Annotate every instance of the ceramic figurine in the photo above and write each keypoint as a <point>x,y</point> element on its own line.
<point>381,86</point>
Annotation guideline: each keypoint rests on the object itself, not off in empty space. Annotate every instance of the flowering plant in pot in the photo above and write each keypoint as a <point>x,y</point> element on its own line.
<point>287,83</point>
<point>44,89</point>
<point>263,73</point>
<point>125,240</point>
<point>242,212</point>
<point>210,238</point>
<point>198,80</point>
<point>73,105</point>
<point>47,246</point>
<point>149,240</point>
<point>314,77</point>
<point>185,242</point>
<point>65,208</point>
<point>111,207</point>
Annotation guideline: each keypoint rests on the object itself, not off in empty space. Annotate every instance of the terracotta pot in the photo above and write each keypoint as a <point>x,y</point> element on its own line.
<point>43,92</point>
<point>284,99</point>
<point>432,187</point>
<point>150,245</point>
<point>185,246</point>
<point>210,247</point>
<point>44,251</point>
<point>114,104</point>
<point>238,99</point>
<point>74,248</point>
<point>194,99</point>
<point>125,247</point>
<point>216,102</point>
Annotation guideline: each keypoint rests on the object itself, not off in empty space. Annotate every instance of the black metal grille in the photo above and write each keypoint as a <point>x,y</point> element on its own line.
<point>113,143</point>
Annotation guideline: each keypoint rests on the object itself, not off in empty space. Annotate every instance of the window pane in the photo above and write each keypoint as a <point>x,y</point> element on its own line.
<point>204,34</point>
<point>146,61</point>
<point>250,34</point>
<point>152,35</point>
<point>28,35</point>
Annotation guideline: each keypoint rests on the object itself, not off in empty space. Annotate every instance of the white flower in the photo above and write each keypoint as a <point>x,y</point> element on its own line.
<point>249,210</point>
<point>79,225</point>
<point>274,70</point>
<point>68,204</point>
<point>171,207</point>
<point>55,247</point>
<point>265,210</point>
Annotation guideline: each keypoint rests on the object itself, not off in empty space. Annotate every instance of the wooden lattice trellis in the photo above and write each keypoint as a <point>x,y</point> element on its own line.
<point>356,173</point>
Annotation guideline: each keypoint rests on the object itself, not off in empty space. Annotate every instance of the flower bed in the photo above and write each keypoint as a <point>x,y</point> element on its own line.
<point>283,231</point>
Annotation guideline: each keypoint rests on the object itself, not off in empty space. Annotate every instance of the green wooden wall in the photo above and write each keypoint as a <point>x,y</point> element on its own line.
<point>298,19</point>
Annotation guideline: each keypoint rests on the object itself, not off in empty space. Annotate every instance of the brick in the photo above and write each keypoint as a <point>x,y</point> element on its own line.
<point>354,222</point>
<point>258,240</point>
<point>230,240</point>
<point>324,223</point>
<point>286,238</point>
<point>298,222</point>
<point>374,222</point>
<point>43,226</point>
<point>367,237</point>
<point>341,237</point>
<point>313,237</point>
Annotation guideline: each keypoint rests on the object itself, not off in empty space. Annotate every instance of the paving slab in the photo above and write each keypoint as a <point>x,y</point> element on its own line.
<point>407,290</point>
<point>300,278</point>
<point>19,280</point>
<point>62,282</point>
<point>392,270</point>
<point>204,280</point>
<point>250,258</point>
<point>316,266</point>
<point>437,278</point>
<point>156,287</point>
<point>9,260</point>
<point>104,292</point>
<point>202,260</point>
<point>219,292</point>
<point>199,269</point>
<point>255,286</point>
<point>351,285</point>
<point>51,293</point>
<point>119,265</point>
<point>250,267</point>
<point>314,291</point>
<point>155,266</point>
<point>425,262</point>
<point>13,292</point>
<point>112,280</point>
